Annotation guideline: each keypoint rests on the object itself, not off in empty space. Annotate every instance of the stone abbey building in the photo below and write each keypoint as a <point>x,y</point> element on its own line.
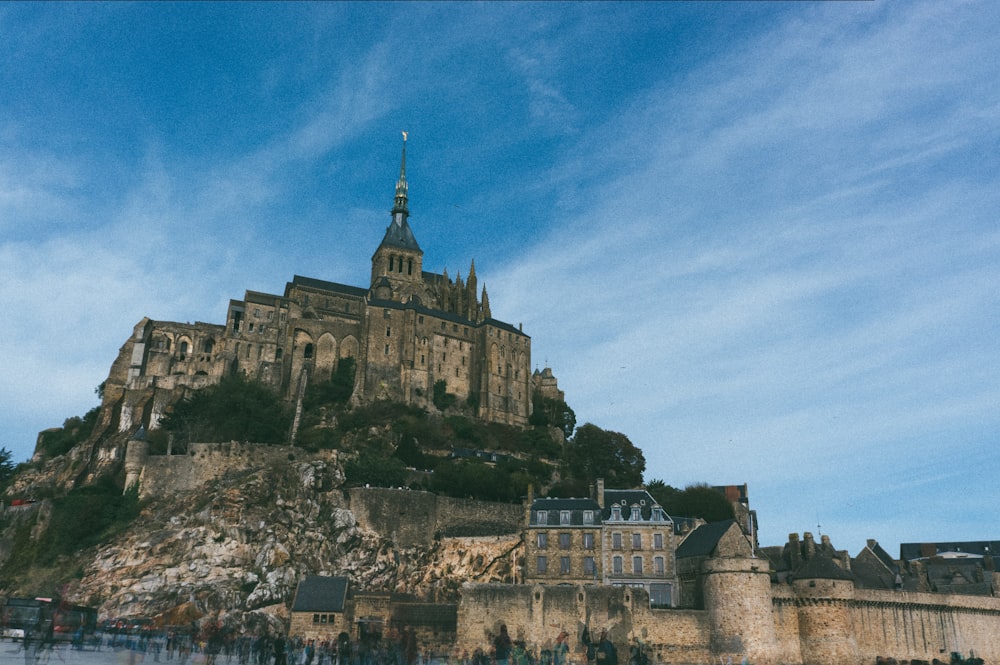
<point>407,330</point>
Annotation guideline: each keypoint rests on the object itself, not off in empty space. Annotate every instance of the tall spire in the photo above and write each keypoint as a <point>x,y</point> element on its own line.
<point>400,210</point>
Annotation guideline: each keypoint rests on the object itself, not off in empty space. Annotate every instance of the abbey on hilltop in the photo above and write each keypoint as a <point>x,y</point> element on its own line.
<point>407,331</point>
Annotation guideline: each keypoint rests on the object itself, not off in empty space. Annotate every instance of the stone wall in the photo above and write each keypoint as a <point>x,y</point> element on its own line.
<point>412,517</point>
<point>846,628</point>
<point>204,462</point>
<point>925,625</point>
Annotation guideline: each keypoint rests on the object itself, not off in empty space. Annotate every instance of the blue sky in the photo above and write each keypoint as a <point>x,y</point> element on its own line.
<point>759,239</point>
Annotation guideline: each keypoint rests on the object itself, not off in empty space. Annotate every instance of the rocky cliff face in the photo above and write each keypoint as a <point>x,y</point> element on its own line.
<point>240,544</point>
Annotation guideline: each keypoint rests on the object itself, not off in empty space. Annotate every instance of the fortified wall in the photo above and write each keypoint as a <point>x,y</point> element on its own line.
<point>204,462</point>
<point>411,517</point>
<point>810,622</point>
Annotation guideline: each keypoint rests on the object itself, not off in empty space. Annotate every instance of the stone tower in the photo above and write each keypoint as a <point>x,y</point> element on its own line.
<point>737,593</point>
<point>397,265</point>
<point>824,592</point>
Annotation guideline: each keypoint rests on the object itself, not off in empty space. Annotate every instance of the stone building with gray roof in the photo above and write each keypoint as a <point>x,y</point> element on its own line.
<point>407,330</point>
<point>618,537</point>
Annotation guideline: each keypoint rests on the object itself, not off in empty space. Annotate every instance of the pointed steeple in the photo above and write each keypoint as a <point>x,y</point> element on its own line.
<point>399,257</point>
<point>486,305</point>
<point>400,211</point>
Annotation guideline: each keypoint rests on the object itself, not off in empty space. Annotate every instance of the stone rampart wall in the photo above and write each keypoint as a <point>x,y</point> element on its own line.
<point>905,626</point>
<point>412,517</point>
<point>925,625</point>
<point>204,462</point>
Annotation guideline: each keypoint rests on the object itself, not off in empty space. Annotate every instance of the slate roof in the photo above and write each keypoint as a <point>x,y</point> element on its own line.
<point>400,235</point>
<point>628,498</point>
<point>318,593</point>
<point>323,285</point>
<point>555,506</point>
<point>822,567</point>
<point>911,551</point>
<point>703,540</point>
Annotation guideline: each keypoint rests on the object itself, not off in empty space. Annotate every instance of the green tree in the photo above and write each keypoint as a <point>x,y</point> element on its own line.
<point>232,410</point>
<point>698,500</point>
<point>701,501</point>
<point>662,493</point>
<point>337,390</point>
<point>73,431</point>
<point>375,469</point>
<point>547,411</point>
<point>596,453</point>
<point>7,466</point>
<point>442,399</point>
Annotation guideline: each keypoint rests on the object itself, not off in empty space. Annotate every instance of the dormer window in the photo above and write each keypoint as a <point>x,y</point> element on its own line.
<point>588,517</point>
<point>563,517</point>
<point>616,512</point>
<point>636,515</point>
<point>541,517</point>
<point>657,514</point>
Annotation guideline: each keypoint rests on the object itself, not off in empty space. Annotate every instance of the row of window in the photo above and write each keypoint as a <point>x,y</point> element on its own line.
<point>590,565</point>
<point>324,618</point>
<point>565,541</point>
<point>635,515</point>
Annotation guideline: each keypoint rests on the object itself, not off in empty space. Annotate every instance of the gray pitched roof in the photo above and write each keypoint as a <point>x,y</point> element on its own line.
<point>822,567</point>
<point>554,506</point>
<point>317,593</point>
<point>703,540</point>
<point>400,235</point>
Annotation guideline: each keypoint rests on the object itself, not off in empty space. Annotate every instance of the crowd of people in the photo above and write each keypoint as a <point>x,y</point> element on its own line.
<point>213,644</point>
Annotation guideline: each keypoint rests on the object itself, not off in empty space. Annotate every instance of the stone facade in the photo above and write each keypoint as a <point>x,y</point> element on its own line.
<point>407,330</point>
<point>746,616</point>
<point>410,517</point>
<point>617,538</point>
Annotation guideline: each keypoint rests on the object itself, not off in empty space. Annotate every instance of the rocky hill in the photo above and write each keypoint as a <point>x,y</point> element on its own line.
<point>239,545</point>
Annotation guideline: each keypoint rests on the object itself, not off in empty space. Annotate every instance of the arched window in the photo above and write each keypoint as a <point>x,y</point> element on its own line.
<point>182,349</point>
<point>307,352</point>
<point>409,267</point>
<point>277,354</point>
<point>208,346</point>
<point>392,260</point>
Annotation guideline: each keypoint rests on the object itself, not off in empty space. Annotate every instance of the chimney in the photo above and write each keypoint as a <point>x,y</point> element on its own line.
<point>810,545</point>
<point>600,493</point>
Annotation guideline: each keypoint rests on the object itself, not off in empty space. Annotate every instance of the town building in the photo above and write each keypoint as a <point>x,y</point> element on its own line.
<point>618,537</point>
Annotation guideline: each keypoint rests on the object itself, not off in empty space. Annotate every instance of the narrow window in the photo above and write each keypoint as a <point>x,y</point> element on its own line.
<point>588,565</point>
<point>307,352</point>
<point>388,332</point>
<point>277,354</point>
<point>616,565</point>
<point>637,541</point>
<point>616,541</point>
<point>564,540</point>
<point>542,564</point>
<point>391,262</point>
<point>588,541</point>
<point>658,541</point>
<point>564,565</point>
<point>542,540</point>
<point>386,349</point>
<point>409,266</point>
<point>637,565</point>
<point>658,567</point>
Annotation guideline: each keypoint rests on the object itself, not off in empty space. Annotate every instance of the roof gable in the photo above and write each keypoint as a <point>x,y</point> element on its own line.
<point>317,593</point>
